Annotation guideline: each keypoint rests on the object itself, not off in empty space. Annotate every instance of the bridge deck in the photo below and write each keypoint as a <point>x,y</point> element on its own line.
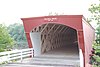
<point>61,57</point>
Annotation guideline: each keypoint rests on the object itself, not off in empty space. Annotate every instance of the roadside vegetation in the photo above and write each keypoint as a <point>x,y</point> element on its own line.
<point>16,32</point>
<point>6,42</point>
<point>95,17</point>
<point>12,37</point>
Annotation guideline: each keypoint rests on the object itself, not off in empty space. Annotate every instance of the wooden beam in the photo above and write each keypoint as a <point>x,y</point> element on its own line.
<point>57,28</point>
<point>44,28</point>
<point>51,28</point>
<point>65,29</point>
<point>62,29</point>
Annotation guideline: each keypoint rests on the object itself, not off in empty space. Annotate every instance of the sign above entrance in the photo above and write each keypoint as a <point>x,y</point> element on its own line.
<point>50,19</point>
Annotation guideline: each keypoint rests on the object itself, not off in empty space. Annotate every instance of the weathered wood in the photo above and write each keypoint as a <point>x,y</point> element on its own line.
<point>53,36</point>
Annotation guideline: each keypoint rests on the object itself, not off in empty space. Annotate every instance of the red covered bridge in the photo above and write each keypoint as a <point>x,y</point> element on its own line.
<point>69,36</point>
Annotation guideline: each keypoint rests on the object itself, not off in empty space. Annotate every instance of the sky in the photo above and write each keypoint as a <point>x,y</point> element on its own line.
<point>12,10</point>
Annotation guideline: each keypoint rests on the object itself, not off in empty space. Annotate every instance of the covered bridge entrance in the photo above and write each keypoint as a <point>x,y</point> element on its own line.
<point>64,37</point>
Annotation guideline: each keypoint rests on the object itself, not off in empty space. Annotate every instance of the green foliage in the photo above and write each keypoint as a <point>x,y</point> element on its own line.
<point>95,10</point>
<point>6,42</point>
<point>97,58</point>
<point>17,33</point>
<point>95,17</point>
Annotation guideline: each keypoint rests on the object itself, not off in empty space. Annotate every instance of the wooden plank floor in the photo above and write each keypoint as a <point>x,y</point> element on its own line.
<point>66,52</point>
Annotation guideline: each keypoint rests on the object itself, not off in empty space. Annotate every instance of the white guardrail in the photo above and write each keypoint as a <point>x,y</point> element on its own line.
<point>15,54</point>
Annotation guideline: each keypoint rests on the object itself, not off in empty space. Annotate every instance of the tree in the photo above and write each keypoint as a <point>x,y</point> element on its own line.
<point>17,33</point>
<point>6,42</point>
<point>95,16</point>
<point>95,11</point>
